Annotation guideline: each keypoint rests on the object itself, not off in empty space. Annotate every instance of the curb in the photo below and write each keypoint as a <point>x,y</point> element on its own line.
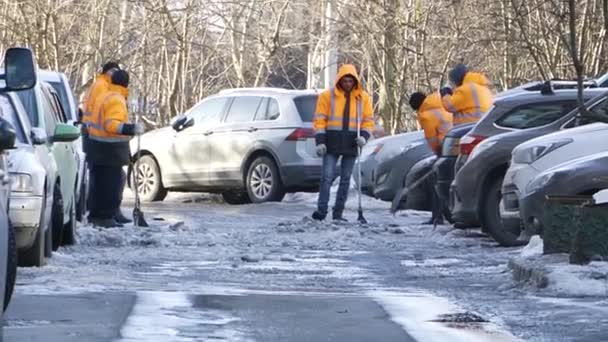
<point>526,272</point>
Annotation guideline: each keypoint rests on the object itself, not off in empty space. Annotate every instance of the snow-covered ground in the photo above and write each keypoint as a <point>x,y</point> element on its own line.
<point>418,274</point>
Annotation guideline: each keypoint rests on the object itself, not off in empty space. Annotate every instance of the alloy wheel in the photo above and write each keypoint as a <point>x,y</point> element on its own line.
<point>145,179</point>
<point>261,181</point>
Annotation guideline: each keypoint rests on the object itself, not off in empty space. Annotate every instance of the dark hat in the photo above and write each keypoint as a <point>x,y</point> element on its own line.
<point>417,99</point>
<point>109,65</point>
<point>121,78</point>
<point>458,73</point>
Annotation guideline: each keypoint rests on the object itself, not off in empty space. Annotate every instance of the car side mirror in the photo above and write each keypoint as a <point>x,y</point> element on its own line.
<point>20,69</point>
<point>181,123</point>
<point>65,133</point>
<point>7,135</point>
<point>38,136</point>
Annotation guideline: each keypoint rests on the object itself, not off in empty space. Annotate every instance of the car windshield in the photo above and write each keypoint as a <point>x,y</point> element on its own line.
<point>28,98</point>
<point>306,106</point>
<point>9,114</point>
<point>63,97</point>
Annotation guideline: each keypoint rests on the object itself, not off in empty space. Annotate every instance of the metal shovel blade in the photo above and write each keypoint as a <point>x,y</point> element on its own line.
<point>399,198</point>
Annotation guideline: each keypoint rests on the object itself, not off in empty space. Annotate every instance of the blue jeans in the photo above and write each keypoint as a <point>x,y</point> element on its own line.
<point>330,162</point>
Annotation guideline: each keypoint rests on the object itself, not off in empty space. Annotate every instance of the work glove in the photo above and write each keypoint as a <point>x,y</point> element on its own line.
<point>139,129</point>
<point>360,141</point>
<point>446,91</point>
<point>321,150</point>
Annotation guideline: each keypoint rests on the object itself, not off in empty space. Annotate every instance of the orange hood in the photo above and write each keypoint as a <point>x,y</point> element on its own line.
<point>119,89</point>
<point>476,78</point>
<point>349,70</point>
<point>433,101</point>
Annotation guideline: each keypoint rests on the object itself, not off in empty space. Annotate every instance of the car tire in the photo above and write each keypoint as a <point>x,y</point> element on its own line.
<point>490,216</point>
<point>152,189</point>
<point>11,266</point>
<point>236,197</point>
<point>35,255</point>
<point>57,218</point>
<point>69,229</point>
<point>263,181</point>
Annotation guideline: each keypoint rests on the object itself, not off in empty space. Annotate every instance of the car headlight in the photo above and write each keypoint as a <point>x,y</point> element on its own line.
<point>21,182</point>
<point>531,154</point>
<point>539,182</point>
<point>484,145</point>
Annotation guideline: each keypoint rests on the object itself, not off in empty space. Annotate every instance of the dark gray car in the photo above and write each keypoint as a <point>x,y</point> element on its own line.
<point>476,191</point>
<point>582,176</point>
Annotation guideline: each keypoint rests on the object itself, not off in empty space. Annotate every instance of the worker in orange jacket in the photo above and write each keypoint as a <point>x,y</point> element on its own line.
<point>109,134</point>
<point>433,118</point>
<point>340,110</point>
<point>471,98</point>
<point>100,85</point>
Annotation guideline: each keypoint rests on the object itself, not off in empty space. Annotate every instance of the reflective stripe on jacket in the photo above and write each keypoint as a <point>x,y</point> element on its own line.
<point>471,100</point>
<point>331,127</point>
<point>109,116</point>
<point>435,121</point>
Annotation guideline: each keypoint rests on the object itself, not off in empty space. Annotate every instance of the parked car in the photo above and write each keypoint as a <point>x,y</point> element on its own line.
<point>581,176</point>
<point>476,191</point>
<point>386,162</point>
<point>247,144</point>
<point>61,85</point>
<point>8,265</point>
<point>20,75</point>
<point>52,131</point>
<point>537,155</point>
<point>445,164</point>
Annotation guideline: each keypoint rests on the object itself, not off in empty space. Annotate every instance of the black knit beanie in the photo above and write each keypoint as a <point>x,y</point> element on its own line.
<point>417,99</point>
<point>121,78</point>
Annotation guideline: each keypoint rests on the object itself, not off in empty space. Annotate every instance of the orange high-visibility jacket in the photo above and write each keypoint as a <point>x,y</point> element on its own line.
<point>435,121</point>
<point>101,85</point>
<point>109,116</point>
<point>471,100</point>
<point>330,126</point>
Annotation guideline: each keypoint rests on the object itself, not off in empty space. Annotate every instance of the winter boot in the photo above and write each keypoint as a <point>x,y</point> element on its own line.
<point>337,216</point>
<point>120,218</point>
<point>319,216</point>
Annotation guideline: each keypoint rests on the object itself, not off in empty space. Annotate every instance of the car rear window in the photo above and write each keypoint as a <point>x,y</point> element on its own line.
<point>535,114</point>
<point>306,106</point>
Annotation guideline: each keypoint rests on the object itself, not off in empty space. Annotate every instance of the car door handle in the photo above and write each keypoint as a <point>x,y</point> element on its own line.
<point>252,129</point>
<point>208,133</point>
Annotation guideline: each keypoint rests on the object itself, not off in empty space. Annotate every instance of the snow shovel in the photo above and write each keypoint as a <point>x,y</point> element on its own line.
<point>403,193</point>
<point>138,214</point>
<point>360,217</point>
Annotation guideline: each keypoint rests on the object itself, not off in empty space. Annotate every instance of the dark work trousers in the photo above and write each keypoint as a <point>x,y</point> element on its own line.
<point>436,203</point>
<point>106,190</point>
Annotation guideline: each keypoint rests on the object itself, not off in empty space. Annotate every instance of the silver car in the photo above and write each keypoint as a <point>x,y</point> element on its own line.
<point>250,145</point>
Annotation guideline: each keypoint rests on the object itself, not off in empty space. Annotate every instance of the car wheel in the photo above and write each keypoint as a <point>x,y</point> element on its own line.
<point>263,181</point>
<point>57,218</point>
<point>35,255</point>
<point>11,266</point>
<point>148,180</point>
<point>69,229</point>
<point>490,216</point>
<point>236,197</point>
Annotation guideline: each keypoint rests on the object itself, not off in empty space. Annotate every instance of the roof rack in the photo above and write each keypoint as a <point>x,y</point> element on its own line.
<point>261,89</point>
<point>558,84</point>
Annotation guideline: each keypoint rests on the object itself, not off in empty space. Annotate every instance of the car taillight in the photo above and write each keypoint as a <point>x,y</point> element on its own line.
<point>468,143</point>
<point>301,134</point>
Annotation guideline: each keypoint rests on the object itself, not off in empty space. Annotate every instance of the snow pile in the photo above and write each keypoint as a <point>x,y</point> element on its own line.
<point>533,248</point>
<point>579,281</point>
<point>154,236</point>
<point>554,274</point>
